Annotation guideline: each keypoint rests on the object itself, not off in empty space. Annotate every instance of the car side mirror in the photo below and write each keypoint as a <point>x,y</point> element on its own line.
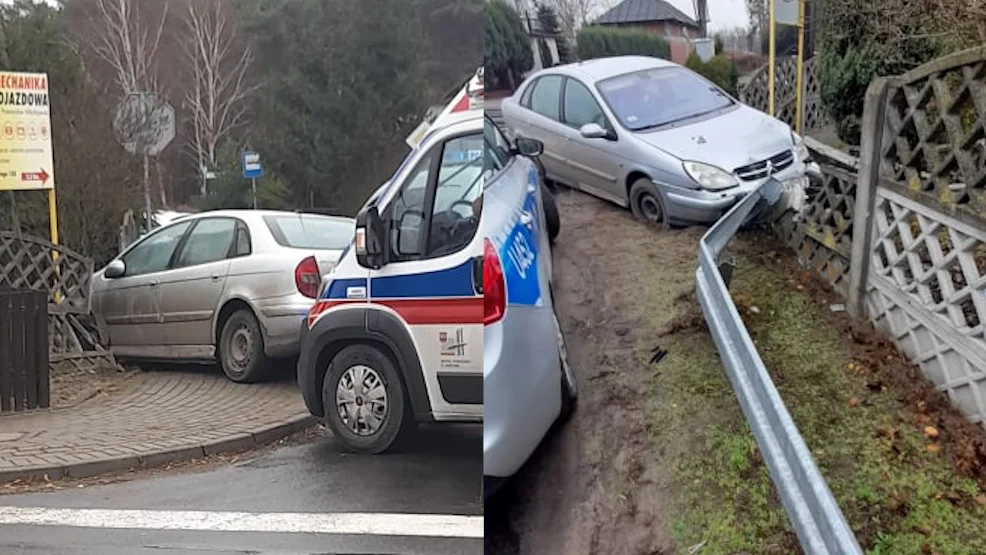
<point>369,238</point>
<point>531,148</point>
<point>115,269</point>
<point>594,131</point>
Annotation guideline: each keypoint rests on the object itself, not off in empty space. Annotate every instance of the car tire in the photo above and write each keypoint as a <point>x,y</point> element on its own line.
<point>241,348</point>
<point>647,204</point>
<point>569,384</point>
<point>376,370</point>
<point>551,218</point>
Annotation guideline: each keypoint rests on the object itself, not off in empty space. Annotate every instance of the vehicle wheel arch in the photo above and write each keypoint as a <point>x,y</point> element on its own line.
<point>632,177</point>
<point>228,308</point>
<point>385,332</point>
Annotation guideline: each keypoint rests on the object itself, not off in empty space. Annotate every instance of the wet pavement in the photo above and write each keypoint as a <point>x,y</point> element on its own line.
<point>307,499</point>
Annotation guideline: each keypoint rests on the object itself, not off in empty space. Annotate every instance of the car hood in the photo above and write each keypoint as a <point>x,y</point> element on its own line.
<point>730,140</point>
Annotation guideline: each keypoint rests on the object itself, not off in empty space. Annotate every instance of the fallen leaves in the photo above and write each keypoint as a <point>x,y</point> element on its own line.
<point>932,448</point>
<point>854,402</point>
<point>981,499</point>
<point>931,432</point>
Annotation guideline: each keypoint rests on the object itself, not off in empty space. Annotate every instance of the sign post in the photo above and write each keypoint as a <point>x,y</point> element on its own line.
<point>145,125</point>
<point>790,13</point>
<point>252,170</point>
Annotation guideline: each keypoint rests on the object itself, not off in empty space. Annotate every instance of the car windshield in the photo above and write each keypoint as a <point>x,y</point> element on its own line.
<point>655,97</point>
<point>299,231</point>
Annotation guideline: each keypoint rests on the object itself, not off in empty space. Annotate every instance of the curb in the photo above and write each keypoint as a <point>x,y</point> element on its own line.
<point>234,443</point>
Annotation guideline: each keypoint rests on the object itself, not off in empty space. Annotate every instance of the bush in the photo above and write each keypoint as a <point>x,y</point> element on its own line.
<point>720,70</point>
<point>600,42</point>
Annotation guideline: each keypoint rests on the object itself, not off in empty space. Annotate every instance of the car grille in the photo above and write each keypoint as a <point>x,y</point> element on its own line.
<point>758,170</point>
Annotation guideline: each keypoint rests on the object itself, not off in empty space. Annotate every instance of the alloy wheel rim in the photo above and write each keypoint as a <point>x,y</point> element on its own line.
<point>361,400</point>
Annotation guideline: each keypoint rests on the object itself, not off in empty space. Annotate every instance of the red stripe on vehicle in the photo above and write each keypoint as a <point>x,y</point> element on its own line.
<point>467,310</point>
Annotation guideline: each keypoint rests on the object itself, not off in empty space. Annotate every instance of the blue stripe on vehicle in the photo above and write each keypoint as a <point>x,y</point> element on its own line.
<point>518,249</point>
<point>337,290</point>
<point>450,282</point>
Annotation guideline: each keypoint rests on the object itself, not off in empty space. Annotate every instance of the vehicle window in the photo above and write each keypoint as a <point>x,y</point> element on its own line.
<point>455,213</point>
<point>209,241</point>
<point>306,231</point>
<point>496,149</point>
<point>546,97</point>
<point>408,211</point>
<point>655,97</point>
<point>525,99</point>
<point>153,254</point>
<point>580,106</point>
<point>243,243</point>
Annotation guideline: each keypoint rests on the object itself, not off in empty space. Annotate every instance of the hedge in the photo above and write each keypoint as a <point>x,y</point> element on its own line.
<point>720,70</point>
<point>600,42</point>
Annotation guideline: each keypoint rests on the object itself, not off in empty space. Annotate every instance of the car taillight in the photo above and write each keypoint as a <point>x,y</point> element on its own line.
<point>494,288</point>
<point>307,278</point>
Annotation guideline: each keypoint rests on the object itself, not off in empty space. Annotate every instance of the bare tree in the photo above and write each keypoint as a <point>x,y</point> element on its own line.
<point>573,14</point>
<point>128,45</point>
<point>219,90</point>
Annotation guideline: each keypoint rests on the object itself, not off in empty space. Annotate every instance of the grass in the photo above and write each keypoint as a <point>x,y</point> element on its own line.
<point>899,495</point>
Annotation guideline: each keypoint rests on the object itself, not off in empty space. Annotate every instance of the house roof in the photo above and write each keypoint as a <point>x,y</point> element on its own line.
<point>640,11</point>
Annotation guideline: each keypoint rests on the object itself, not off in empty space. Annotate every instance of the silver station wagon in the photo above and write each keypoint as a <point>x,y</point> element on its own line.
<point>232,286</point>
<point>653,136</point>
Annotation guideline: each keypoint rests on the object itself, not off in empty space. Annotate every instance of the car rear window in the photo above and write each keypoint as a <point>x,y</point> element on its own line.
<point>311,232</point>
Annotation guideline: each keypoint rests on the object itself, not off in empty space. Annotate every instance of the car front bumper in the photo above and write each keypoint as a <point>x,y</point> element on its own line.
<point>697,206</point>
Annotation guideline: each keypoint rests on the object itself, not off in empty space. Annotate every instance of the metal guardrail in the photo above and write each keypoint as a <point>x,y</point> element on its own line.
<point>817,520</point>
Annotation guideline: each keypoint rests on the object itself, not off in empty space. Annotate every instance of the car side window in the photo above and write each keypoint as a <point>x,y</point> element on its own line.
<point>244,246</point>
<point>211,240</point>
<point>154,253</point>
<point>408,212</point>
<point>455,212</point>
<point>496,149</point>
<point>580,106</point>
<point>546,98</point>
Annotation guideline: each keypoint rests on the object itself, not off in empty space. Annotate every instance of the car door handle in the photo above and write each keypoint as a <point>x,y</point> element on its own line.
<point>154,283</point>
<point>217,277</point>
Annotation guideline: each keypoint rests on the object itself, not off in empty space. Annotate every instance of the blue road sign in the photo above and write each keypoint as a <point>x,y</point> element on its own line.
<point>251,166</point>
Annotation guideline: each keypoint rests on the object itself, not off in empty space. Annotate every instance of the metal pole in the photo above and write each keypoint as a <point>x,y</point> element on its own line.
<point>771,62</point>
<point>53,224</point>
<point>147,190</point>
<point>799,83</point>
<point>254,180</point>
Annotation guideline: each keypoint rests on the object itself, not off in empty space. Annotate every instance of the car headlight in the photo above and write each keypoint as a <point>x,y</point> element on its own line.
<point>801,153</point>
<point>710,177</point>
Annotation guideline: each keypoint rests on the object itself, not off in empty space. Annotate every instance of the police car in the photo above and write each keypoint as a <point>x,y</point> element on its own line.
<point>396,335</point>
<point>527,382</point>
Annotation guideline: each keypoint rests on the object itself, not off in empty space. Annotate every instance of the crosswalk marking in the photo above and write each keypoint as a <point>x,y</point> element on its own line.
<point>372,524</point>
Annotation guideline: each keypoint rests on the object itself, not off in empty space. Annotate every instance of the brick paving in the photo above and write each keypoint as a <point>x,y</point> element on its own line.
<point>164,417</point>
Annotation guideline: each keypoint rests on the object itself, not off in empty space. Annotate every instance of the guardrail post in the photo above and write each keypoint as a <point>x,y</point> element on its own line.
<point>870,157</point>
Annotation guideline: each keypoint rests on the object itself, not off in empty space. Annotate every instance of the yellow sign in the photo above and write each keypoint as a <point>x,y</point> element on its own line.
<point>26,160</point>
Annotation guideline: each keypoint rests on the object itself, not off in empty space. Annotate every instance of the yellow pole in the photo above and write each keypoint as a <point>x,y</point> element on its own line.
<point>799,98</point>
<point>53,224</point>
<point>770,58</point>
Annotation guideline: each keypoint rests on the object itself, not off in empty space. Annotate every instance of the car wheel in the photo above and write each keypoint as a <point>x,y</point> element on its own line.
<point>241,348</point>
<point>551,217</point>
<point>364,400</point>
<point>647,204</point>
<point>569,385</point>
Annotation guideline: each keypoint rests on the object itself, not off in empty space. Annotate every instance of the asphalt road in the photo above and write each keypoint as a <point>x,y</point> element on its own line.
<point>305,499</point>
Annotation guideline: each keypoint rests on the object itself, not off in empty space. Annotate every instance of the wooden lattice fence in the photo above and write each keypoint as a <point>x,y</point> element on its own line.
<point>902,231</point>
<point>753,92</point>
<point>65,276</point>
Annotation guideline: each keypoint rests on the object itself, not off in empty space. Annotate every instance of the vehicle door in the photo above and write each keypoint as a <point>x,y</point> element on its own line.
<point>541,104</point>
<point>595,163</point>
<point>430,277</point>
<point>192,288</point>
<point>130,304</point>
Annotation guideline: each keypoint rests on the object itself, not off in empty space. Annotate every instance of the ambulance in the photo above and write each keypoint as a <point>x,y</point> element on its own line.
<point>396,336</point>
